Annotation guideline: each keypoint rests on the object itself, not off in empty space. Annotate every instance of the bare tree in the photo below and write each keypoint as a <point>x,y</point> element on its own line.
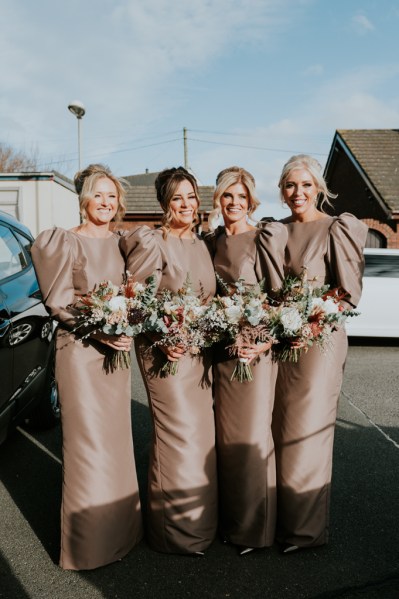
<point>16,161</point>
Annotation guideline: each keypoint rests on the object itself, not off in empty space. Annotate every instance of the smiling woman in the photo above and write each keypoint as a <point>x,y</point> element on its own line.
<point>100,517</point>
<point>182,486</point>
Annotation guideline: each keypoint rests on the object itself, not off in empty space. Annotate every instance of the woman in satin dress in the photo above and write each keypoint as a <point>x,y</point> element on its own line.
<point>100,514</point>
<point>182,482</point>
<point>307,392</point>
<point>246,466</point>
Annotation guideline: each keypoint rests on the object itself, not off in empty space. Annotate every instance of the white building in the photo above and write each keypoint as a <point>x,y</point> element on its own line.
<point>40,200</point>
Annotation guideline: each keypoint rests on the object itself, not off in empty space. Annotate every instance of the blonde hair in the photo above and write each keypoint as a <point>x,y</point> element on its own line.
<point>85,181</point>
<point>225,179</point>
<point>166,185</point>
<point>314,168</point>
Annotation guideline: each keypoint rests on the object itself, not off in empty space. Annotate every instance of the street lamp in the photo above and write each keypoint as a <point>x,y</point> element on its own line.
<point>77,108</point>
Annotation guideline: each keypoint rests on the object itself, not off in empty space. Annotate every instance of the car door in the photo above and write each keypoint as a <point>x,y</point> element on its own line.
<point>25,325</point>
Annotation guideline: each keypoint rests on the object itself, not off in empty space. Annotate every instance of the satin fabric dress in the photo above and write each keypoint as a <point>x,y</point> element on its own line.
<point>246,464</point>
<point>182,480</point>
<point>100,514</point>
<point>307,392</point>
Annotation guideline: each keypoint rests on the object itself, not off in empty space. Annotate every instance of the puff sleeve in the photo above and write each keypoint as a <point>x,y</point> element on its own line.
<point>52,255</point>
<point>142,253</point>
<point>271,243</point>
<point>346,243</point>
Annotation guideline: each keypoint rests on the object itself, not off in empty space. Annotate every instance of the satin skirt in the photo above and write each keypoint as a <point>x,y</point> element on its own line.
<point>100,514</point>
<point>182,480</point>
<point>245,450</point>
<point>304,418</point>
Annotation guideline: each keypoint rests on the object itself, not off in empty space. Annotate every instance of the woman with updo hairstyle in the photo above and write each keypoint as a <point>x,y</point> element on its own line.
<point>243,410</point>
<point>182,482</point>
<point>307,392</point>
<point>100,515</point>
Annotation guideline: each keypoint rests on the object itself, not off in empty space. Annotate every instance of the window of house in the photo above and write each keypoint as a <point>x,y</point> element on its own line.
<point>375,239</point>
<point>9,201</point>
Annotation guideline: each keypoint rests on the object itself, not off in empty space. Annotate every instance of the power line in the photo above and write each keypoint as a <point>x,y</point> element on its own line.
<point>220,143</point>
<point>54,162</point>
<point>253,135</point>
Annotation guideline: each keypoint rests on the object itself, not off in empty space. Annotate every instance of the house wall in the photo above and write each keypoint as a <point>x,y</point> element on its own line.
<point>40,204</point>
<point>355,197</point>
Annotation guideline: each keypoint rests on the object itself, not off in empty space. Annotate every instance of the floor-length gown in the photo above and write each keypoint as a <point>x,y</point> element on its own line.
<point>307,392</point>
<point>100,514</point>
<point>246,466</point>
<point>182,482</point>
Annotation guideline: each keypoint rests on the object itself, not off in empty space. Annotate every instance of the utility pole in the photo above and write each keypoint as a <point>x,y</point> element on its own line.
<point>185,148</point>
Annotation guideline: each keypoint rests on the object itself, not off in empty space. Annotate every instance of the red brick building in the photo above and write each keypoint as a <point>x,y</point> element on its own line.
<point>363,169</point>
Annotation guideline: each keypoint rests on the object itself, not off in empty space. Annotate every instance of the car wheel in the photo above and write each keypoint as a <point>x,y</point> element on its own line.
<point>20,333</point>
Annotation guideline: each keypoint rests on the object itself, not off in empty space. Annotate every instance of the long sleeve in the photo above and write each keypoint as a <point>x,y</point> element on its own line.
<point>142,253</point>
<point>346,243</point>
<point>271,243</point>
<point>52,257</point>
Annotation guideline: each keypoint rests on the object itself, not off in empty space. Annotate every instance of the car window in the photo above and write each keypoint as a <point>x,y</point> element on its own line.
<point>381,266</point>
<point>12,257</point>
<point>24,241</point>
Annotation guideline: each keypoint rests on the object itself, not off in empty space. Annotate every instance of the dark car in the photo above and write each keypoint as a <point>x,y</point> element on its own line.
<point>27,385</point>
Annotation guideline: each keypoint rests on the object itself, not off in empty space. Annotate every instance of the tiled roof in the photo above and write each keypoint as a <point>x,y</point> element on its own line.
<point>142,179</point>
<point>142,199</point>
<point>377,153</point>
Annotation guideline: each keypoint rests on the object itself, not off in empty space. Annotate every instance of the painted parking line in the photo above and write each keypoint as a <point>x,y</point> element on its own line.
<point>379,429</point>
<point>39,445</point>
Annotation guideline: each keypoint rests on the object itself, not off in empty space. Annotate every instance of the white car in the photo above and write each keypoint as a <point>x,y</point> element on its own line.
<point>379,304</point>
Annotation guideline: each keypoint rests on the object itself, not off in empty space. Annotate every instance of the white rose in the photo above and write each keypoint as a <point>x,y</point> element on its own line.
<point>290,319</point>
<point>117,303</point>
<point>317,302</point>
<point>331,307</point>
<point>226,301</point>
<point>233,314</point>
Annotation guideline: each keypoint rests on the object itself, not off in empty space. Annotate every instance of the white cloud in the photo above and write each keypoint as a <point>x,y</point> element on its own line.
<point>124,64</point>
<point>314,70</point>
<point>362,24</point>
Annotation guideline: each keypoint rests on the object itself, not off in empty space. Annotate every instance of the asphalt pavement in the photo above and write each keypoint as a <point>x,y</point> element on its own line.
<point>361,560</point>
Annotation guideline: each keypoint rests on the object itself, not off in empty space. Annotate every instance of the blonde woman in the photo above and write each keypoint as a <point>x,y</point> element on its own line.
<point>331,249</point>
<point>246,467</point>
<point>182,485</point>
<point>100,516</point>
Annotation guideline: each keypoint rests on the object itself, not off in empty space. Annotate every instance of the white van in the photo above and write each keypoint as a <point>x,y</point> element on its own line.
<point>379,304</point>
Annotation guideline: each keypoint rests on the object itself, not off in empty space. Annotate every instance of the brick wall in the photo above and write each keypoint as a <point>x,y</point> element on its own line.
<point>390,235</point>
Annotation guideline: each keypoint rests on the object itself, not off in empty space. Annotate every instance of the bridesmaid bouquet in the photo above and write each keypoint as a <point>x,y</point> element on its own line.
<point>175,318</point>
<point>241,316</point>
<point>116,310</point>
<point>304,315</point>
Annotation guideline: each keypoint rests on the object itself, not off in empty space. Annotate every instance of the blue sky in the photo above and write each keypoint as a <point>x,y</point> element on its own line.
<point>253,81</point>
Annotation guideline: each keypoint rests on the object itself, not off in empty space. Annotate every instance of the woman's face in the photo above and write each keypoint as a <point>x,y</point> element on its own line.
<point>102,208</point>
<point>183,205</point>
<point>234,204</point>
<point>300,193</point>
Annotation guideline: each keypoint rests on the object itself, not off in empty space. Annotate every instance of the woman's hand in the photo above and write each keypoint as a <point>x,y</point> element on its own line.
<point>117,342</point>
<point>172,353</point>
<point>250,352</point>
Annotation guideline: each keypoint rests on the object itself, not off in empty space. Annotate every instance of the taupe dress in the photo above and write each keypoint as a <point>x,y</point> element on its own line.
<point>246,466</point>
<point>307,392</point>
<point>100,515</point>
<point>182,482</point>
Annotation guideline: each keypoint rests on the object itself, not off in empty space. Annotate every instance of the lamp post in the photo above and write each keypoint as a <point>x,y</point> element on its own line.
<point>77,108</point>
